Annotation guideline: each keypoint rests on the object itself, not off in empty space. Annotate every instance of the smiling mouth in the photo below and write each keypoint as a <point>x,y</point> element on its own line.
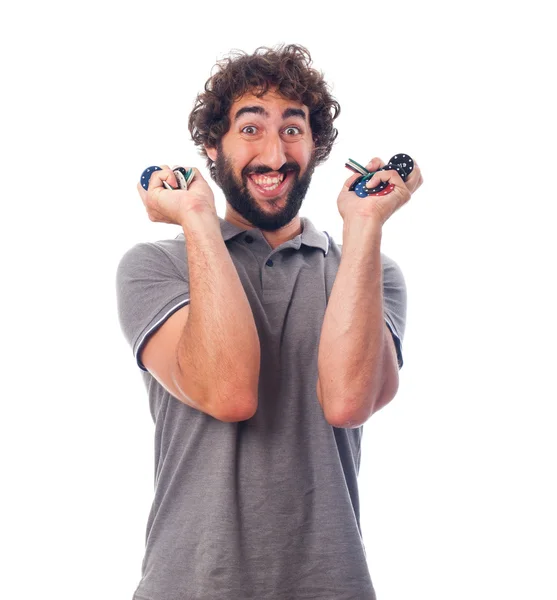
<point>268,182</point>
<point>270,185</point>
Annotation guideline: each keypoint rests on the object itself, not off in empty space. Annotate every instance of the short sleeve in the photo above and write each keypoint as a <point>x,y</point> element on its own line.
<point>394,303</point>
<point>150,286</point>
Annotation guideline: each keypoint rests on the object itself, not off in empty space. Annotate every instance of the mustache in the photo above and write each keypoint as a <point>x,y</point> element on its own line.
<point>262,169</point>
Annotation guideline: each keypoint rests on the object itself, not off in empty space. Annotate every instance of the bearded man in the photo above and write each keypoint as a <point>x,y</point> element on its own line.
<point>264,346</point>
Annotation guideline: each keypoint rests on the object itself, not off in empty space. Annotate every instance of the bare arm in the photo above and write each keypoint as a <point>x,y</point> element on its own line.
<point>358,372</point>
<point>207,354</point>
<point>218,353</point>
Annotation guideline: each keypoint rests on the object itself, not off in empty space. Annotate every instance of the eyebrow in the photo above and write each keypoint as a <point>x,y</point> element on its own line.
<point>259,110</point>
<point>294,112</point>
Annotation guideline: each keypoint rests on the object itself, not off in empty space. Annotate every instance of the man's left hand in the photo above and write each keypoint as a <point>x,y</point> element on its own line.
<point>378,207</point>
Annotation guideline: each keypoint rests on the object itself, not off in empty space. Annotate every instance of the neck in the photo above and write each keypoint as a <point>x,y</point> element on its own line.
<point>274,238</point>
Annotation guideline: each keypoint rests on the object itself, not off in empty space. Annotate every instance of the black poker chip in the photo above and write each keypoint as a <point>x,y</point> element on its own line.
<point>404,163</point>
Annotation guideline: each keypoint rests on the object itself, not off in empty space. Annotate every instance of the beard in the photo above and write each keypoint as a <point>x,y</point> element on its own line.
<point>238,196</point>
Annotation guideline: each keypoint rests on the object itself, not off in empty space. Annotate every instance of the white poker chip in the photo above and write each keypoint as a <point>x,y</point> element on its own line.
<point>183,176</point>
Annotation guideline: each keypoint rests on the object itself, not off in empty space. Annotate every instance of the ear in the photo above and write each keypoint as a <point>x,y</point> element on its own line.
<point>211,153</point>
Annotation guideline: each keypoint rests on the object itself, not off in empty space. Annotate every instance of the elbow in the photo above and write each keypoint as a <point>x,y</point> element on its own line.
<point>351,413</point>
<point>348,420</point>
<point>229,405</point>
<point>345,413</point>
<point>234,405</point>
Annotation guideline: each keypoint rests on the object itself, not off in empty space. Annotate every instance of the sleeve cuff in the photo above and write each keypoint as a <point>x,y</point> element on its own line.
<point>397,343</point>
<point>154,324</point>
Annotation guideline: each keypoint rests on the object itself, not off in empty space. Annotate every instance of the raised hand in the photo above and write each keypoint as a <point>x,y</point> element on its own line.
<point>379,207</point>
<point>172,206</point>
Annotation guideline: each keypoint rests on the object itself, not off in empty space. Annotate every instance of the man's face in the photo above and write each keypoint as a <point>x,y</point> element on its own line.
<point>265,162</point>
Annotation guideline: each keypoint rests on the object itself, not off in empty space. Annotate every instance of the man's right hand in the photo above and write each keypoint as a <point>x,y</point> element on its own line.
<point>172,206</point>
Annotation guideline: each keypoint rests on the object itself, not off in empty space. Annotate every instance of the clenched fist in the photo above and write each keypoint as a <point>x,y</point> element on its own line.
<point>378,207</point>
<point>172,206</point>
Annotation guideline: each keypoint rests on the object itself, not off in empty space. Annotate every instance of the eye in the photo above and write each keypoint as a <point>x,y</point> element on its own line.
<point>249,129</point>
<point>292,130</point>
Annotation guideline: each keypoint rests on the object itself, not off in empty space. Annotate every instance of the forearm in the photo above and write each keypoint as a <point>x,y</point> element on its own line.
<point>219,346</point>
<point>353,351</point>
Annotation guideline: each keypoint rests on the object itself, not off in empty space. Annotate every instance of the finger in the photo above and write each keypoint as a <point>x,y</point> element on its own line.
<point>167,182</point>
<point>386,177</point>
<point>350,181</point>
<point>375,164</point>
<point>157,178</point>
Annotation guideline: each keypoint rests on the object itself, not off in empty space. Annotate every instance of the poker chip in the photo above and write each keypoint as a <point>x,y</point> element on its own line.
<point>386,191</point>
<point>146,175</point>
<point>183,176</point>
<point>405,164</point>
<point>362,191</point>
<point>401,163</point>
<point>356,167</point>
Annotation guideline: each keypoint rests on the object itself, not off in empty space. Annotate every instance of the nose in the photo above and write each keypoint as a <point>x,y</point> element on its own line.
<point>272,152</point>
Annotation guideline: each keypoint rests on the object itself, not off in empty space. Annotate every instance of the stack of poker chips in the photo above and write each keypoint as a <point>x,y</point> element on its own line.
<point>402,163</point>
<point>183,176</point>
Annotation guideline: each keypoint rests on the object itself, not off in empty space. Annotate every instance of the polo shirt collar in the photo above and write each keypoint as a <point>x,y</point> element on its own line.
<point>310,236</point>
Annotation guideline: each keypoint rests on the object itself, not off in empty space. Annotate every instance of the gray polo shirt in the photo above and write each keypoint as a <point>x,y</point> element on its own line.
<point>268,508</point>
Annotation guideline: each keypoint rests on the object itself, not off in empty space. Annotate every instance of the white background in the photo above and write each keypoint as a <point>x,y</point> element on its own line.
<point>458,472</point>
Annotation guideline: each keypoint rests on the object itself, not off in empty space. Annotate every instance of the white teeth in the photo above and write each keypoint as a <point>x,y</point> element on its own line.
<point>269,183</point>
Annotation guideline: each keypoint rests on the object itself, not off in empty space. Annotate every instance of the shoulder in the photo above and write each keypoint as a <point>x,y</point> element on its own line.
<point>161,255</point>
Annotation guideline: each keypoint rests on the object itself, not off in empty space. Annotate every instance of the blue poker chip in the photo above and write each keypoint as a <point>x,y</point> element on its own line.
<point>361,189</point>
<point>359,186</point>
<point>363,179</point>
<point>146,175</point>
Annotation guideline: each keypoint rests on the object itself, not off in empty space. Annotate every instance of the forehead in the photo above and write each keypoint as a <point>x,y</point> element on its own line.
<point>272,104</point>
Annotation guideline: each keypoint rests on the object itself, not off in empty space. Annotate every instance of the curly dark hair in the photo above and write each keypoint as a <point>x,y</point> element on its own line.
<point>285,67</point>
